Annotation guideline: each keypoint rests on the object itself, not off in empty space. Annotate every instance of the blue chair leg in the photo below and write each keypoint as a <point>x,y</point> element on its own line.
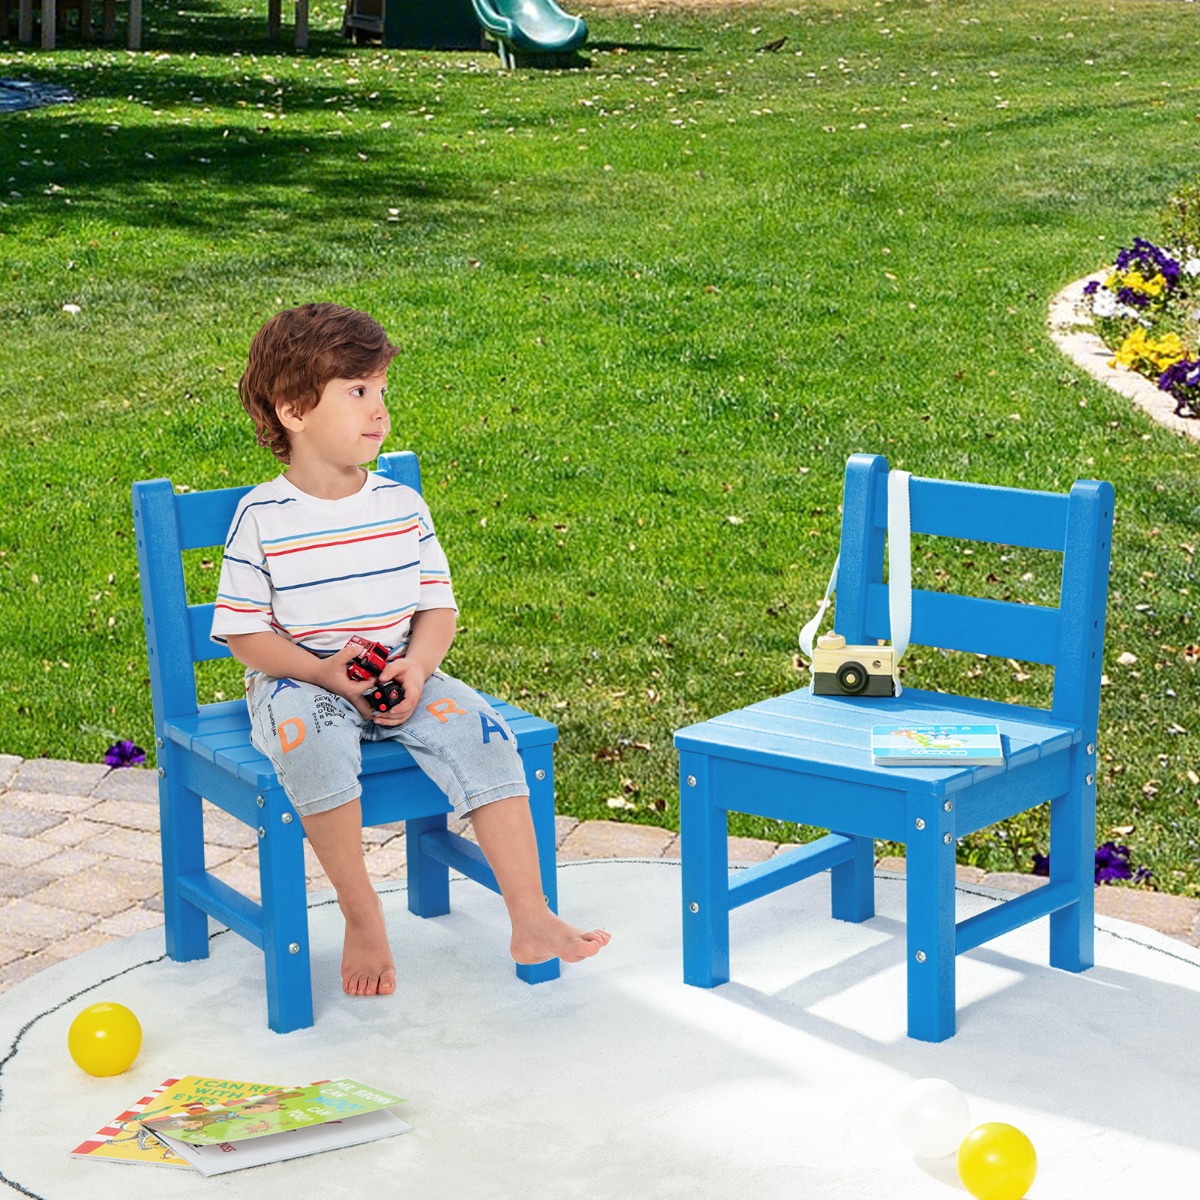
<point>285,918</point>
<point>852,883</point>
<point>428,879</point>
<point>181,821</point>
<point>539,773</point>
<point>704,850</point>
<point>1072,859</point>
<point>930,918</point>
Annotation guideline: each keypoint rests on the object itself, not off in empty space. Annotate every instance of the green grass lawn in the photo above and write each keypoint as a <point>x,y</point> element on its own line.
<point>646,311</point>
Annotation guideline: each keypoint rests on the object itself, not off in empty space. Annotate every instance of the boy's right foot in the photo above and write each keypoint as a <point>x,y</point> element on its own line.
<point>367,966</point>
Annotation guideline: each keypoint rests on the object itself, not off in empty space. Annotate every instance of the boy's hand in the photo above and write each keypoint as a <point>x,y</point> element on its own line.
<point>411,675</point>
<point>334,679</point>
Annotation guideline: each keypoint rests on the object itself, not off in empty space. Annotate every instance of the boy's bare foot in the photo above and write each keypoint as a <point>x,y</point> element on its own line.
<point>548,936</point>
<point>367,967</point>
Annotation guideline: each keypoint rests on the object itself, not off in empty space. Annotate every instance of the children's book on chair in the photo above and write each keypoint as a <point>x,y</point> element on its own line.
<point>936,746</point>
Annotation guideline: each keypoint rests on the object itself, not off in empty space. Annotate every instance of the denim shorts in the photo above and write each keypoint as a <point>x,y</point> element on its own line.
<point>312,738</point>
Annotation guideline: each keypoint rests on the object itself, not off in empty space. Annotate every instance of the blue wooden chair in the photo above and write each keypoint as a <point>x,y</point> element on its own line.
<point>807,758</point>
<point>204,751</point>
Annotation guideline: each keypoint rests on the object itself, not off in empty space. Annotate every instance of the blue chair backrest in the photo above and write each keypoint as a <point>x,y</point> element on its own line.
<point>1077,525</point>
<point>166,525</point>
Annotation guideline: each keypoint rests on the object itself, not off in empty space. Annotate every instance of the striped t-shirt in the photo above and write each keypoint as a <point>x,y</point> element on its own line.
<point>318,571</point>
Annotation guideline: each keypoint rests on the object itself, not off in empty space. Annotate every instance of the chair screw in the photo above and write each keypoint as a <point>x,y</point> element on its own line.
<point>158,742</point>
<point>691,781</point>
<point>1091,747</point>
<point>693,907</point>
<point>162,772</point>
<point>539,774</point>
<point>262,833</point>
<point>286,818</point>
<point>293,947</point>
<point>947,838</point>
<point>920,956</point>
<point>259,801</point>
<point>1090,779</point>
<point>920,822</point>
<point>948,807</point>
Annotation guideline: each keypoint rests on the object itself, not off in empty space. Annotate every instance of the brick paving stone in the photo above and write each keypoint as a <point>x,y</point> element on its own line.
<point>563,826</point>
<point>614,839</point>
<point>129,783</point>
<point>20,881</point>
<point>102,892</point>
<point>22,969</point>
<point>118,842</point>
<point>9,765</point>
<point>24,822</point>
<point>61,867</point>
<point>74,831</point>
<point>741,850</point>
<point>132,814</point>
<point>223,830</point>
<point>51,775</point>
<point>77,943</point>
<point>36,925</point>
<point>1173,915</point>
<point>387,863</point>
<point>10,951</point>
<point>132,920</point>
<point>49,802</point>
<point>22,852</point>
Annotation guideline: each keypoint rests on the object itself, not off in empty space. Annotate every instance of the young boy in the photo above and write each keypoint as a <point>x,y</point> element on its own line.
<point>329,550</point>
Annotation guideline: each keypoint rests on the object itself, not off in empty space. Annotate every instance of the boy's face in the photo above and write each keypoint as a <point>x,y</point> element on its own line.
<point>347,426</point>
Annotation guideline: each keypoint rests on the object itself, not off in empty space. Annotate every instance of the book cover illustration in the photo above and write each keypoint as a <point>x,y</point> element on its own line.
<point>280,1124</point>
<point>271,1112</point>
<point>936,745</point>
<point>124,1139</point>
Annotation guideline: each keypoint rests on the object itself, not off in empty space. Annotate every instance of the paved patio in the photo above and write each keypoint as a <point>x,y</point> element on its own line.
<point>79,862</point>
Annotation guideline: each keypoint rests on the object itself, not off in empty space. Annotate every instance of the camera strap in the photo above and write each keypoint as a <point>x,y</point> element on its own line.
<point>899,574</point>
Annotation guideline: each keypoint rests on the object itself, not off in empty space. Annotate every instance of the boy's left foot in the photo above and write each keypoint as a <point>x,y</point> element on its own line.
<point>549,936</point>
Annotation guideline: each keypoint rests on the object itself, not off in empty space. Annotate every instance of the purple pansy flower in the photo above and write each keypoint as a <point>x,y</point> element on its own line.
<point>1112,862</point>
<point>124,754</point>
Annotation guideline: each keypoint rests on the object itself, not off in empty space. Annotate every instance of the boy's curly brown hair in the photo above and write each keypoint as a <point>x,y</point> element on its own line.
<point>296,353</point>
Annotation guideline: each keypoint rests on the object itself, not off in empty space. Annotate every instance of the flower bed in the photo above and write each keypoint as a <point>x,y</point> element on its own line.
<point>1147,310</point>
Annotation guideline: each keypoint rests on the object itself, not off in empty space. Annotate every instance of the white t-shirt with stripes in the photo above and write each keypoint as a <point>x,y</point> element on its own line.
<point>319,571</point>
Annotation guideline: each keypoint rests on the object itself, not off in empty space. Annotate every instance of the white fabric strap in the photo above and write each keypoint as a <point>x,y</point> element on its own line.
<point>899,563</point>
<point>899,574</point>
<point>810,630</point>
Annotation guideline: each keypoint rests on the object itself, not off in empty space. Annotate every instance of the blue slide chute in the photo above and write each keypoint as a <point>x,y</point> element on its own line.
<point>530,28</point>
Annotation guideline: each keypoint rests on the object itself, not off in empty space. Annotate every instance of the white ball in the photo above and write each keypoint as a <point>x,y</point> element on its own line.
<point>932,1118</point>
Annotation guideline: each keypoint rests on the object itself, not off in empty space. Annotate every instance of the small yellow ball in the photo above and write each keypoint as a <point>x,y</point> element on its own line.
<point>997,1162</point>
<point>104,1039</point>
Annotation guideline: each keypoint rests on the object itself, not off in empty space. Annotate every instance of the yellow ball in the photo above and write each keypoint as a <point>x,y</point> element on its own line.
<point>997,1162</point>
<point>104,1039</point>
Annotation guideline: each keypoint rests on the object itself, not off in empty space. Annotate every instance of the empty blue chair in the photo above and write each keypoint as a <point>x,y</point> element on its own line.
<point>807,758</point>
<point>204,751</point>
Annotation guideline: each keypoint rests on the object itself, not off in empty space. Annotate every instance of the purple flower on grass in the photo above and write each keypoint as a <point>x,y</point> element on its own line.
<point>1148,259</point>
<point>1181,381</point>
<point>124,754</point>
<point>1112,862</point>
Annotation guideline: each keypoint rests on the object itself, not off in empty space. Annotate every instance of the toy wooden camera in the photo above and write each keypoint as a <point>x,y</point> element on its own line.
<point>842,670</point>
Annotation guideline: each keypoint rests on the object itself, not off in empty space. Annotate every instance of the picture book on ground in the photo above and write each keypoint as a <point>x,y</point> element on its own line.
<point>124,1139</point>
<point>277,1124</point>
<point>936,746</point>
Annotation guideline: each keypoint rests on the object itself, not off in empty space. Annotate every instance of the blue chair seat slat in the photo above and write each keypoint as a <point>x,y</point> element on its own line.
<point>206,752</point>
<point>980,513</point>
<point>806,759</point>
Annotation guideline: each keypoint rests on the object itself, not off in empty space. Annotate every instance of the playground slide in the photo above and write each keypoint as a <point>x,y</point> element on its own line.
<point>530,27</point>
